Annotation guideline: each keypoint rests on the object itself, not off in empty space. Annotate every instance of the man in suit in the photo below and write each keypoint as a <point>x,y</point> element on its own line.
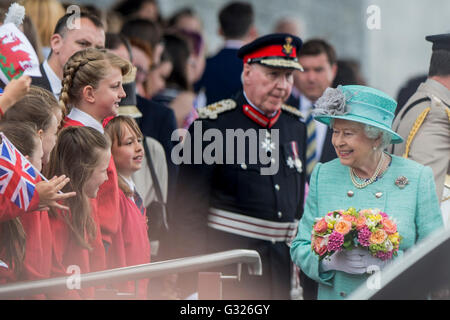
<point>71,35</point>
<point>245,202</point>
<point>424,121</point>
<point>318,59</point>
<point>222,75</point>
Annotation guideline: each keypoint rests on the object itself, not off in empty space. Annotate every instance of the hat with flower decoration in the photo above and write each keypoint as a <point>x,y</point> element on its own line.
<point>360,104</point>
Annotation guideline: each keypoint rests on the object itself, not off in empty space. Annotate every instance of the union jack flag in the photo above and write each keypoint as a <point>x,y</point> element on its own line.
<point>17,176</point>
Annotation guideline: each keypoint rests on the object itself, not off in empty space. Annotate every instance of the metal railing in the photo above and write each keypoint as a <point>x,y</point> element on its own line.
<point>151,270</point>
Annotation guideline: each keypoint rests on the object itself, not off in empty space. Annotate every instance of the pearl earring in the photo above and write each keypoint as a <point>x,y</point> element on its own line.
<point>374,148</point>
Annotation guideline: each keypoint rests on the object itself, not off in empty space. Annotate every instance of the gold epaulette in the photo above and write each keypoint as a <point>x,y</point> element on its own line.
<point>419,121</point>
<point>211,111</point>
<point>292,110</point>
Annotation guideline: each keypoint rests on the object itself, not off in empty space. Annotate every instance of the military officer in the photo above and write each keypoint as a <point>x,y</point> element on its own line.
<point>424,121</point>
<point>231,199</point>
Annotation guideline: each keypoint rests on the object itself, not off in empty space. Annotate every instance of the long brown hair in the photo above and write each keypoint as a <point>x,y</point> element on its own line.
<point>76,155</point>
<point>31,108</point>
<point>12,235</point>
<point>50,100</point>
<point>87,67</point>
<point>114,129</point>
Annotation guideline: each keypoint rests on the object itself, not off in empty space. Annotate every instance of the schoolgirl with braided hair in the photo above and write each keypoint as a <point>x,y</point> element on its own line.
<point>91,91</point>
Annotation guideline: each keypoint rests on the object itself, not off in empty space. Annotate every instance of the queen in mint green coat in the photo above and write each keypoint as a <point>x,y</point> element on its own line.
<point>403,189</point>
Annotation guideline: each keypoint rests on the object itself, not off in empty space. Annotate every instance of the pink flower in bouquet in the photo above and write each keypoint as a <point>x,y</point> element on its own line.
<point>360,222</point>
<point>364,236</point>
<point>318,247</point>
<point>384,215</point>
<point>343,227</point>
<point>378,236</point>
<point>384,255</point>
<point>321,226</point>
<point>335,241</point>
<point>389,226</point>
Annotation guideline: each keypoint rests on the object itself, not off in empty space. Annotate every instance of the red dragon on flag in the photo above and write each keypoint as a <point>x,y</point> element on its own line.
<point>13,61</point>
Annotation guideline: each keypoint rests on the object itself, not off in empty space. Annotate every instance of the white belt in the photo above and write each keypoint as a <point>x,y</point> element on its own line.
<point>252,227</point>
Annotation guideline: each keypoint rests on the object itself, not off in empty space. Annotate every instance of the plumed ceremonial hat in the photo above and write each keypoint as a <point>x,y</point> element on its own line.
<point>277,50</point>
<point>360,104</point>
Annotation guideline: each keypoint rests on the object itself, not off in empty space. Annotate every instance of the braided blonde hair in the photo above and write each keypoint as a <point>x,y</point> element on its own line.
<point>87,67</point>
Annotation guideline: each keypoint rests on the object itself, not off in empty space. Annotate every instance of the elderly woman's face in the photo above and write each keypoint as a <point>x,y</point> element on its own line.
<point>352,146</point>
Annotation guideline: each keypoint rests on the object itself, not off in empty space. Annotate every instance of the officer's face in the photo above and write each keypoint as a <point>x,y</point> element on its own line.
<point>318,75</point>
<point>267,88</point>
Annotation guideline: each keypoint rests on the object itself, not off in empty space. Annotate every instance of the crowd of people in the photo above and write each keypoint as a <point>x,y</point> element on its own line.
<point>125,92</point>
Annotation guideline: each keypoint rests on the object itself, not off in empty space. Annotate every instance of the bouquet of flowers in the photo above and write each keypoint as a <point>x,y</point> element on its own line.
<point>347,229</point>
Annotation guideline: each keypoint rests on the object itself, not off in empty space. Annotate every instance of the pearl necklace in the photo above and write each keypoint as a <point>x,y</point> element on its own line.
<point>372,179</point>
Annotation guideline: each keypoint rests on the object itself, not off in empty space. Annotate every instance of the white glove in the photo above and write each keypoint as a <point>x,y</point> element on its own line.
<point>347,261</point>
<point>372,263</point>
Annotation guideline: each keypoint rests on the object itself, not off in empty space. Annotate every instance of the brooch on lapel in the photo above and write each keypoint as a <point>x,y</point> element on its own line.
<point>401,182</point>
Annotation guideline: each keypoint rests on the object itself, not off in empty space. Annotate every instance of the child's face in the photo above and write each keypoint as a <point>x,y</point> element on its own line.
<point>36,157</point>
<point>99,175</point>
<point>49,139</point>
<point>129,155</point>
<point>108,94</point>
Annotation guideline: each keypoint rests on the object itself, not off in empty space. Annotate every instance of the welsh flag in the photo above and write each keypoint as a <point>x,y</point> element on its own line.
<point>17,55</point>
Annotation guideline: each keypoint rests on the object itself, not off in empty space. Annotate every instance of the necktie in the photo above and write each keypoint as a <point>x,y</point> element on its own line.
<point>310,143</point>
<point>138,201</point>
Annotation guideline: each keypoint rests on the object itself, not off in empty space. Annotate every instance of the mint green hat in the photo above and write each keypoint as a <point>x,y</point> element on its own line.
<point>360,104</point>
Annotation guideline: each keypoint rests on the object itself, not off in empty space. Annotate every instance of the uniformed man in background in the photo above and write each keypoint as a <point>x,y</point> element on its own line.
<point>230,199</point>
<point>424,122</point>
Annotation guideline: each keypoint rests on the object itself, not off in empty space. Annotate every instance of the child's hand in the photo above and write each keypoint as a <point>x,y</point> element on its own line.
<point>15,90</point>
<point>48,192</point>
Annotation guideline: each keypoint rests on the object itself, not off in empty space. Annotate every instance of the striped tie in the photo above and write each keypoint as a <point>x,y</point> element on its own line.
<point>310,143</point>
<point>138,201</point>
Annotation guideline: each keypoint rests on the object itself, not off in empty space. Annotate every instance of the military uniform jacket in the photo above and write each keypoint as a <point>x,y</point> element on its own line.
<point>232,205</point>
<point>431,144</point>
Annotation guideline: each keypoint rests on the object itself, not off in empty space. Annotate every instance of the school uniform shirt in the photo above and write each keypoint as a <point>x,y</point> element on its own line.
<point>107,201</point>
<point>130,245</point>
<point>68,252</point>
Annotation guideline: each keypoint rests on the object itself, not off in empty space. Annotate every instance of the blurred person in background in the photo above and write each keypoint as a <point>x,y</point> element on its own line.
<point>348,73</point>
<point>178,93</point>
<point>288,25</point>
<point>44,14</point>
<point>147,31</point>
<point>187,23</point>
<point>222,75</point>
<point>141,58</point>
<point>318,59</point>
<point>144,9</point>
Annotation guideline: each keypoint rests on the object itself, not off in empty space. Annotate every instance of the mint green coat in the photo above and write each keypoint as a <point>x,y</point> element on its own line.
<point>415,208</point>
